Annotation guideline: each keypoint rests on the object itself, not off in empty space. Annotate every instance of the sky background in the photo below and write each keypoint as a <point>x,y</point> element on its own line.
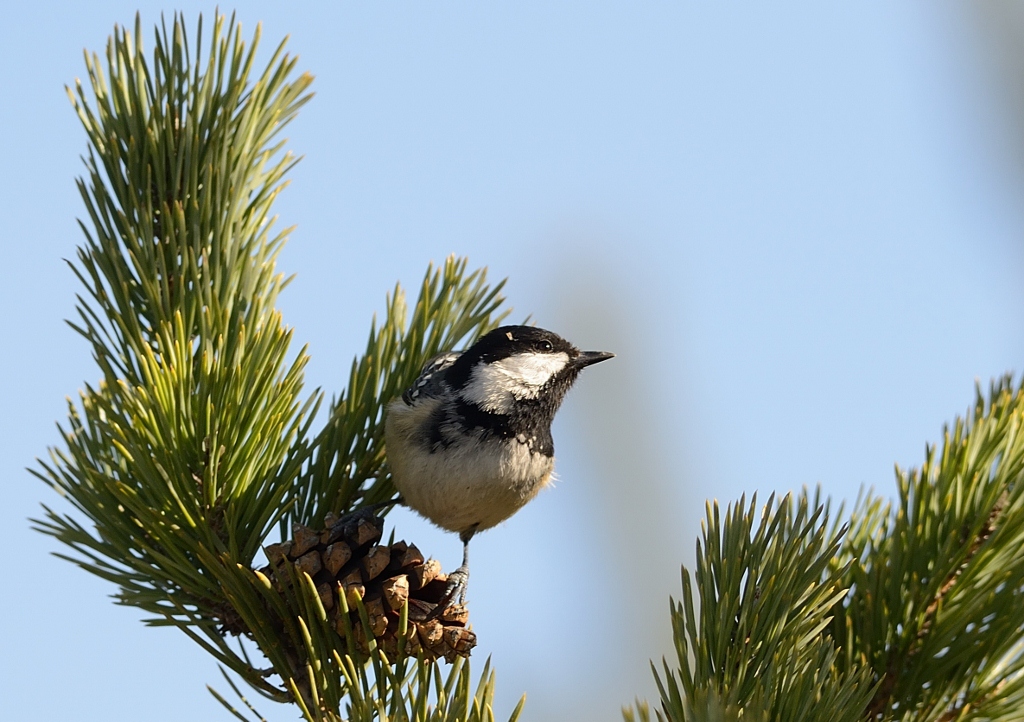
<point>799,227</point>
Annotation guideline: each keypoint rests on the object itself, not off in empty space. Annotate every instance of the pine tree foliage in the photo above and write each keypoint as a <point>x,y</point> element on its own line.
<point>766,590</point>
<point>195,445</point>
<point>914,610</point>
<point>936,606</point>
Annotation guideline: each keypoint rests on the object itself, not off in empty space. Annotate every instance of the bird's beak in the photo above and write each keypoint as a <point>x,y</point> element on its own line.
<point>588,358</point>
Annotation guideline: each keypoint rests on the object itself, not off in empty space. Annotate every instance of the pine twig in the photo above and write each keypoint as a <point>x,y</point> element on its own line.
<point>883,696</point>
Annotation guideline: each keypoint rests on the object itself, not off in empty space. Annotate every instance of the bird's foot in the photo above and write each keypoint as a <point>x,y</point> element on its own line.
<point>458,581</point>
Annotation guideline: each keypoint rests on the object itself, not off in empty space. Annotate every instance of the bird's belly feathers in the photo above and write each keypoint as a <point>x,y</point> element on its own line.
<point>466,485</point>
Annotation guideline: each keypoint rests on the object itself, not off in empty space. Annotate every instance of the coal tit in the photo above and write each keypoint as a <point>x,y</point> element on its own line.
<point>469,443</point>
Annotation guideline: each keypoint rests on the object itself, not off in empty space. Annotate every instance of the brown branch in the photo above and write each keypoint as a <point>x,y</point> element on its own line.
<point>883,696</point>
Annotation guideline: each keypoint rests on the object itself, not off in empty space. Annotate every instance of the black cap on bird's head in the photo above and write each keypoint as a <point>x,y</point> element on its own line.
<point>506,341</point>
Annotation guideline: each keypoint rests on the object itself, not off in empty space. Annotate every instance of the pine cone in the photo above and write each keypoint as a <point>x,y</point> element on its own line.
<point>346,557</point>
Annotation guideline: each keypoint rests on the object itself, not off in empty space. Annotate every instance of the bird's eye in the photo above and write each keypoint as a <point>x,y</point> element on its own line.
<point>546,346</point>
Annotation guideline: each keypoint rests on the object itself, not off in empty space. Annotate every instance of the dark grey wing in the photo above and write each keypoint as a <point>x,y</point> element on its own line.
<point>430,382</point>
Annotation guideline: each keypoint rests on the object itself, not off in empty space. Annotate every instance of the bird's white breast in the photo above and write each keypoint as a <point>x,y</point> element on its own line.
<point>467,484</point>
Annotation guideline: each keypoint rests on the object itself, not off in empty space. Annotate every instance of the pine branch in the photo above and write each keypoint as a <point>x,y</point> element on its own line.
<point>938,577</point>
<point>883,695</point>
<point>915,614</point>
<point>195,443</point>
<point>756,648</point>
<point>183,456</point>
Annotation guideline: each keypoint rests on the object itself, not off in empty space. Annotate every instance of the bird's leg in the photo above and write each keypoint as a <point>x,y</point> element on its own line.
<point>458,580</point>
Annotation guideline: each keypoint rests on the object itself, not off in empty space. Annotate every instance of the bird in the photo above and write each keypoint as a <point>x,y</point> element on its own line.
<point>469,443</point>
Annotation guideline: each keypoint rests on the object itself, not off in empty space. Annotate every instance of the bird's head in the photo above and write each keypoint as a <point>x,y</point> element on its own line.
<point>519,366</point>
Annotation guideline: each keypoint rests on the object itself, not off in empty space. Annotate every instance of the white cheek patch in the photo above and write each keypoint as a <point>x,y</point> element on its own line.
<point>496,386</point>
<point>530,369</point>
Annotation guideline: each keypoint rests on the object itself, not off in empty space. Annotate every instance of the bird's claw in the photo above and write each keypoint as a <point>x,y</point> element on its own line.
<point>458,581</point>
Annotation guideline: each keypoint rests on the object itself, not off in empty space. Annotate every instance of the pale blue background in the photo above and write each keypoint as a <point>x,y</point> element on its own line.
<point>798,227</point>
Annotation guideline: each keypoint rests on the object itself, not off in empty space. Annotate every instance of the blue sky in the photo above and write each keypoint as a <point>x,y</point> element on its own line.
<point>796,226</point>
